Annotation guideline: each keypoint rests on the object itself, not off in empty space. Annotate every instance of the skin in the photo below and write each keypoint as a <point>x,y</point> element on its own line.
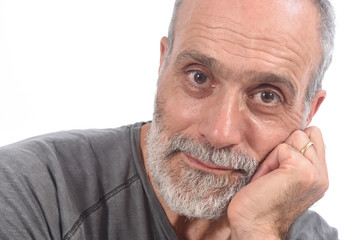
<point>237,77</point>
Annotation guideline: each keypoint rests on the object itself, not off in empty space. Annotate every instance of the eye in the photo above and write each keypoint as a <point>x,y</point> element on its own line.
<point>197,77</point>
<point>267,97</point>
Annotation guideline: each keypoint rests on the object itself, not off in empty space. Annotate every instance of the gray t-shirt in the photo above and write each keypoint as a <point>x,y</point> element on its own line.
<point>91,184</point>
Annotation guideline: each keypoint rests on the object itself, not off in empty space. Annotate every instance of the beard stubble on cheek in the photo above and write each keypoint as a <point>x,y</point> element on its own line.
<point>187,191</point>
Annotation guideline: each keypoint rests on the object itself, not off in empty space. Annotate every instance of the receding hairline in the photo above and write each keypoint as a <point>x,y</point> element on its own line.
<point>325,28</point>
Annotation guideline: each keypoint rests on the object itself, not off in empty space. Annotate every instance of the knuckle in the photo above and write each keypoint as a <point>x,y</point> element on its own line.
<point>313,131</point>
<point>312,177</point>
<point>325,184</point>
<point>283,147</point>
<point>298,134</point>
<point>298,137</point>
<point>316,181</point>
<point>322,189</point>
<point>286,151</point>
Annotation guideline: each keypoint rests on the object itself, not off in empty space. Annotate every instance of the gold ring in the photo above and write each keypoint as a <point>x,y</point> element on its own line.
<point>306,147</point>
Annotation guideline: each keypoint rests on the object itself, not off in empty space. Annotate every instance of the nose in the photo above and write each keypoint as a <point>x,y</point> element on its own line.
<point>222,123</point>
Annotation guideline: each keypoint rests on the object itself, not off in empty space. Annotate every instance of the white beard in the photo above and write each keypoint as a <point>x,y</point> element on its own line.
<point>191,192</point>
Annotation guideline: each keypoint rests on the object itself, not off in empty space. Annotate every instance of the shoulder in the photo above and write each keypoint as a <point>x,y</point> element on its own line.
<point>62,173</point>
<point>74,153</point>
<point>77,159</point>
<point>65,152</point>
<point>44,148</point>
<point>310,225</point>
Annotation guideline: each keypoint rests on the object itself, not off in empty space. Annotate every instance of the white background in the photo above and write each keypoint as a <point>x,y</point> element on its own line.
<point>93,64</point>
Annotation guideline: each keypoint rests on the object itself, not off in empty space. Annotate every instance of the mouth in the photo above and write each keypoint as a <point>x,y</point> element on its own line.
<point>208,167</point>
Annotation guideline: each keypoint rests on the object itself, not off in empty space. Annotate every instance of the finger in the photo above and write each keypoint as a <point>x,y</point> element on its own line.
<point>316,137</point>
<point>308,145</point>
<point>301,141</point>
<point>316,153</point>
<point>272,162</point>
<point>291,149</point>
<point>295,142</point>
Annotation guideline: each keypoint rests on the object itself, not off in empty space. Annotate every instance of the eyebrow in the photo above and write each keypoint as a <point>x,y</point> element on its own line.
<point>253,76</point>
<point>268,77</point>
<point>209,62</point>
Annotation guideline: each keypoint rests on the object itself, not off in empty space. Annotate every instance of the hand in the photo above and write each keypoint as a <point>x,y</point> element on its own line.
<point>285,185</point>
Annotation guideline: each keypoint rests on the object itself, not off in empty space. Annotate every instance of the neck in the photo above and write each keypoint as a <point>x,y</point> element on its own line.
<point>185,228</point>
<point>195,229</point>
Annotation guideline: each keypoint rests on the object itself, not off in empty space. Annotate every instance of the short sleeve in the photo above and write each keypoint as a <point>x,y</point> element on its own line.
<point>311,226</point>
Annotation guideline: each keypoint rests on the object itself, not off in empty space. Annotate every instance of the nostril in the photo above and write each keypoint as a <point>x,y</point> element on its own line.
<point>221,135</point>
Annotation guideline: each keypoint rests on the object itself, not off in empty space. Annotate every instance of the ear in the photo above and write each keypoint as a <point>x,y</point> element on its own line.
<point>164,47</point>
<point>316,101</point>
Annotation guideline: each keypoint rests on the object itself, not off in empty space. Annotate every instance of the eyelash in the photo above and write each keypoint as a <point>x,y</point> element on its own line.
<point>207,85</point>
<point>192,81</point>
<point>192,78</point>
<point>204,87</point>
<point>278,96</point>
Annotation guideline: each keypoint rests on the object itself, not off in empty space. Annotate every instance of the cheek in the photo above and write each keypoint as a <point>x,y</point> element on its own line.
<point>264,135</point>
<point>260,133</point>
<point>179,112</point>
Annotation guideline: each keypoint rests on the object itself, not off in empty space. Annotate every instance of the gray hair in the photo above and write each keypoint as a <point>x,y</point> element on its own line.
<point>327,35</point>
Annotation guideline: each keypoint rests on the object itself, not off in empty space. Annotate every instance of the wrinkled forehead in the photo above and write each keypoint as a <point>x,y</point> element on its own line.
<point>240,32</point>
<point>287,19</point>
<point>266,12</point>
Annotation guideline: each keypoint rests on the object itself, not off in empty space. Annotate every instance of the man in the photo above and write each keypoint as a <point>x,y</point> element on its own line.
<point>228,154</point>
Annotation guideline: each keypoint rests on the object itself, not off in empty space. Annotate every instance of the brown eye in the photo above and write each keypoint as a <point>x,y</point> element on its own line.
<point>198,78</point>
<point>267,97</point>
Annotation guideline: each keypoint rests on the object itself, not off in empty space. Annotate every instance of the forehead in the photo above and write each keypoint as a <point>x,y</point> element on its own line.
<point>280,35</point>
<point>283,16</point>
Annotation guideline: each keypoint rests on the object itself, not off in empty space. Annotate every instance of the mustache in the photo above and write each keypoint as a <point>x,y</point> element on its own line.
<point>224,157</point>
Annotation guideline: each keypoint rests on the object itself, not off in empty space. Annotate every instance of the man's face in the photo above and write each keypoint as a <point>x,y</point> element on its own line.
<point>236,80</point>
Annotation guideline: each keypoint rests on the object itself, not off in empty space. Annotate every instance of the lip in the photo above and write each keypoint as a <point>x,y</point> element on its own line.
<point>204,166</point>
